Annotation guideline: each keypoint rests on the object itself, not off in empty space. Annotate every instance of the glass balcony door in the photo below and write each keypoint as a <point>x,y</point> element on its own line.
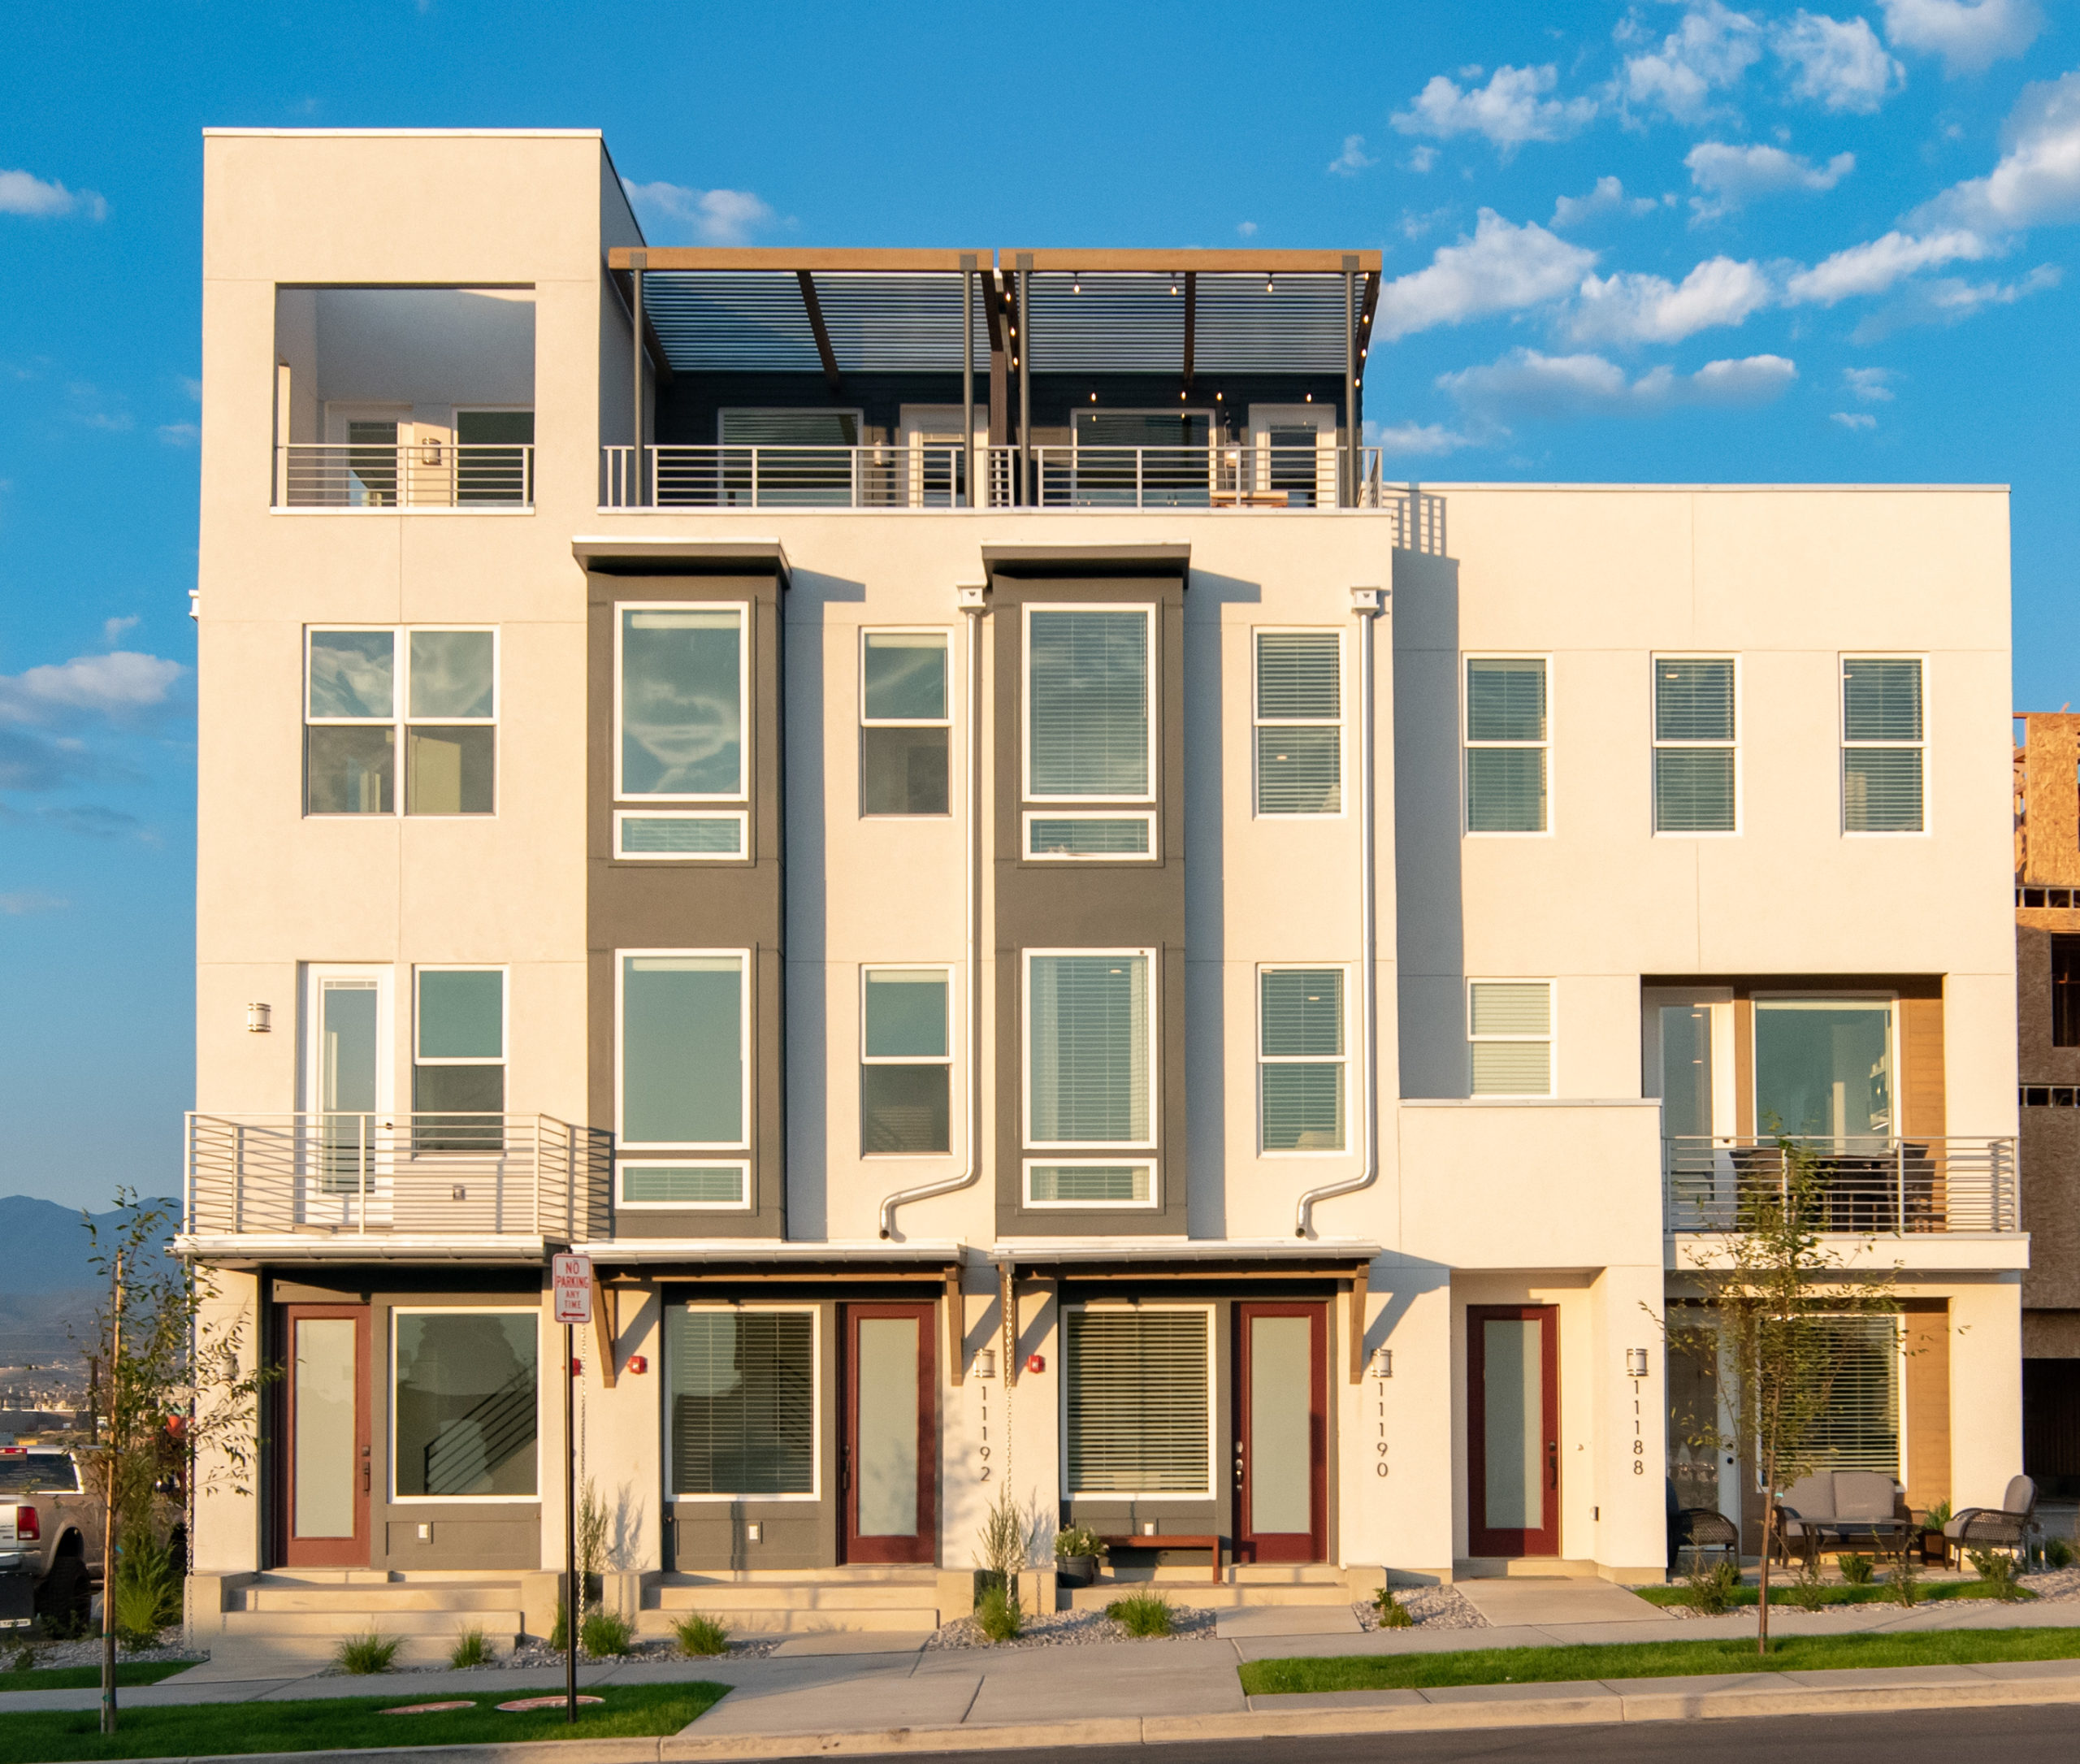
<point>347,1086</point>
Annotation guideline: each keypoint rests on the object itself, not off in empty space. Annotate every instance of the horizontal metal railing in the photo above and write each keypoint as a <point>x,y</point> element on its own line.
<point>1865,1186</point>
<point>446,1174</point>
<point>418,474</point>
<point>1218,477</point>
<point>896,476</point>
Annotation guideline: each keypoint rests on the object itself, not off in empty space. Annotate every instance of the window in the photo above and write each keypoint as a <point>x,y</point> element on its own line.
<point>1859,1429</point>
<point>1082,1185</point>
<point>370,695</point>
<point>463,1418</point>
<point>1089,1049</point>
<point>904,728</point>
<point>741,1384</point>
<point>2064,991</point>
<point>1089,729</point>
<point>680,693</point>
<point>1505,744</point>
<point>1137,1400</point>
<point>684,1076</point>
<point>1511,1027</point>
<point>1881,746</point>
<point>1823,1068</point>
<point>1299,728</point>
<point>1693,745</point>
<point>679,833</point>
<point>1300,1069</point>
<point>906,1061</point>
<point>458,1059</point>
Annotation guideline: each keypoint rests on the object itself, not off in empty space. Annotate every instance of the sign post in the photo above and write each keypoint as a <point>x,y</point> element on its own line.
<point>570,1279</point>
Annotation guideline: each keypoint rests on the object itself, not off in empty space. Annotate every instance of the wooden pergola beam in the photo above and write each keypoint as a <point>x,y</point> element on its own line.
<point>1191,321</point>
<point>1367,306</point>
<point>1213,262</point>
<point>956,1328</point>
<point>788,260</point>
<point>814,307</point>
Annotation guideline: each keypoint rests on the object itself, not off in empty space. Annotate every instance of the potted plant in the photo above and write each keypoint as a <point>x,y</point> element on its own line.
<point>1077,1550</point>
<point>1934,1551</point>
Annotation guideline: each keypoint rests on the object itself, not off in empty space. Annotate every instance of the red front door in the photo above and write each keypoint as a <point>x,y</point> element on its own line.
<point>1281,1428</point>
<point>326,1462</point>
<point>1513,1423</point>
<point>888,1443</point>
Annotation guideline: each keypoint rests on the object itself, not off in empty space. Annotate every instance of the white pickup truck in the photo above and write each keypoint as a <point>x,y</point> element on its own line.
<point>50,1534</point>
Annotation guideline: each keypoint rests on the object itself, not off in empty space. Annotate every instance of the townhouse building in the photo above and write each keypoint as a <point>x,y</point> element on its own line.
<point>1051,930</point>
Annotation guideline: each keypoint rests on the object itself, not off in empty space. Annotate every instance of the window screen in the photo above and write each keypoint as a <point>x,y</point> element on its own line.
<point>1510,1029</point>
<point>1300,1073</point>
<point>742,1394</point>
<point>1138,1400</point>
<point>1088,703</point>
<point>1694,746</point>
<point>682,702</point>
<point>1882,745</point>
<point>1299,731</point>
<point>683,1050</point>
<point>1087,1042</point>
<point>463,1421</point>
<point>1505,745</point>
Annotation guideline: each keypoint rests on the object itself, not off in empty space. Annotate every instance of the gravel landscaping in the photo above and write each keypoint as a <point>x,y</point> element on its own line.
<point>87,1651</point>
<point>1075,1629</point>
<point>1433,1607</point>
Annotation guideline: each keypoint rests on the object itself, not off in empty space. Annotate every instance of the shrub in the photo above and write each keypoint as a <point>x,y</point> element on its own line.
<point>366,1653</point>
<point>1142,1614</point>
<point>1808,1592</point>
<point>1856,1568</point>
<point>1393,1615</point>
<point>603,1633</point>
<point>147,1586</point>
<point>2058,1553</point>
<point>470,1650</point>
<point>1712,1589</point>
<point>24,1659</point>
<point>1998,1571</point>
<point>998,1616</point>
<point>699,1635</point>
<point>1937,1517</point>
<point>1905,1583</point>
<point>1077,1541</point>
<point>560,1635</point>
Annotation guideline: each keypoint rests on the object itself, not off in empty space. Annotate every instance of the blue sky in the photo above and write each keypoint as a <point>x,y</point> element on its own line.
<point>1675,240</point>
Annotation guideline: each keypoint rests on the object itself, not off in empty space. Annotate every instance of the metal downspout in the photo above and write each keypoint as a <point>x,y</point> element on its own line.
<point>1367,604</point>
<point>974,607</point>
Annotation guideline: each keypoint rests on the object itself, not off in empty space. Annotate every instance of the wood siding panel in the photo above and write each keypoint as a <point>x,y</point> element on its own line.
<point>1922,1108</point>
<point>1927,1406</point>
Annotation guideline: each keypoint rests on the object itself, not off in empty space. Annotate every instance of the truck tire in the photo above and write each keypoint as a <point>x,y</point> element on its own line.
<point>65,1598</point>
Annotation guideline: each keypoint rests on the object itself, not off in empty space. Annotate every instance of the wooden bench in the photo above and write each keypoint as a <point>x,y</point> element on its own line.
<point>1210,1542</point>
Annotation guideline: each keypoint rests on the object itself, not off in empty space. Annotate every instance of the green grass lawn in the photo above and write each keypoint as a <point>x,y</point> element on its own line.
<point>344,1723</point>
<point>1653,1659</point>
<point>1877,1592</point>
<point>77,1677</point>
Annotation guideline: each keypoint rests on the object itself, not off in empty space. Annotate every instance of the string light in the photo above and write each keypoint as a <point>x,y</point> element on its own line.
<point>1076,282</point>
<point>1173,281</point>
<point>1269,287</point>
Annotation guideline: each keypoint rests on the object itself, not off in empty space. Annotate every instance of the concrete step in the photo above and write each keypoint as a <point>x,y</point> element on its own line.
<point>806,1595</point>
<point>501,1626</point>
<point>1205,1596</point>
<point>1522,1568</point>
<point>379,1598</point>
<point>1287,1574</point>
<point>851,1574</point>
<point>771,1620</point>
<point>324,1577</point>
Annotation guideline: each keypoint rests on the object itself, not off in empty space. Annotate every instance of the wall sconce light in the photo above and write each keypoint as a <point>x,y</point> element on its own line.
<point>257,1019</point>
<point>985,1364</point>
<point>1383,1363</point>
<point>1636,1362</point>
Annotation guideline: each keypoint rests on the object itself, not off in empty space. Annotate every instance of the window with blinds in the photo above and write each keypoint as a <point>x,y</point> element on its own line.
<point>1882,745</point>
<point>696,1185</point>
<point>1694,745</point>
<point>1300,1064</point>
<point>1505,744</point>
<point>1110,834</point>
<point>1089,725</point>
<point>1090,1052</point>
<point>1138,1400</point>
<point>1860,1429</point>
<point>741,1387</point>
<point>1299,711</point>
<point>1090,1184</point>
<point>1510,1030</point>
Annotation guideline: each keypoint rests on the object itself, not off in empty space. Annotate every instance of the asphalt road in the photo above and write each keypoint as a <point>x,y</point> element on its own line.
<point>2032,1735</point>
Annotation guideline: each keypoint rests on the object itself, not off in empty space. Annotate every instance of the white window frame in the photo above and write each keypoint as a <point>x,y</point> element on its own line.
<point>1342,1060</point>
<point>742,855</point>
<point>1821,997</point>
<point>1258,720</point>
<point>745,709</point>
<point>401,722</point>
<point>1654,728</point>
<point>1551,1036</point>
<point>1467,745</point>
<point>748,1031</point>
<point>622,1204</point>
<point>315,974</point>
<point>815,1315</point>
<point>505,1008</point>
<point>945,972</point>
<point>1842,743</point>
<point>1029,856</point>
<point>1085,1146</point>
<point>945,722</point>
<point>1153,1203</point>
<point>544,1360</point>
<point>1212,1407</point>
<point>1148,610</point>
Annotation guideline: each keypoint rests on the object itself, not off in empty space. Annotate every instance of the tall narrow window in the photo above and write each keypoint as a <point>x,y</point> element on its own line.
<point>1510,1025</point>
<point>458,1059</point>
<point>1088,716</point>
<point>906,1065</point>
<point>1694,746</point>
<point>1505,744</point>
<point>1138,1400</point>
<point>1882,745</point>
<point>1299,728</point>
<point>1859,1429</point>
<point>430,694</point>
<point>684,1070</point>
<point>1089,1036</point>
<point>2064,991</point>
<point>1300,1071</point>
<point>742,1386</point>
<point>682,703</point>
<point>904,730</point>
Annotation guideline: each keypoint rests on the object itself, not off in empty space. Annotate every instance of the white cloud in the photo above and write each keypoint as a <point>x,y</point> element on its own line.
<point>1837,63</point>
<point>1968,34</point>
<point>112,629</point>
<point>1607,197</point>
<point>1875,266</point>
<point>28,900</point>
<point>180,434</point>
<point>1421,159</point>
<point>1503,268</point>
<point>21,193</point>
<point>192,388</point>
<point>1854,419</point>
<point>1353,159</point>
<point>1245,229</point>
<point>1944,300</point>
<point>123,685</point>
<point>1526,383</point>
<point>1708,52</point>
<point>1511,110</point>
<point>1649,309</point>
<point>1732,176</point>
<point>1873,385</point>
<point>2038,176</point>
<point>714,216</point>
<point>1414,439</point>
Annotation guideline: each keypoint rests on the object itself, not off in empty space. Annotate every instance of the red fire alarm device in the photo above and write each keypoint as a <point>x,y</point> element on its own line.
<point>1035,1363</point>
<point>638,1365</point>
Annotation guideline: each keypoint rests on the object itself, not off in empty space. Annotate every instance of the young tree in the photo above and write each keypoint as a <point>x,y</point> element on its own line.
<point>171,1390</point>
<point>1769,1293</point>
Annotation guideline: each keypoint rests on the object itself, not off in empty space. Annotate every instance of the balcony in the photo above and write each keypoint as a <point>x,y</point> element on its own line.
<point>1866,1185</point>
<point>428,473</point>
<point>333,1184</point>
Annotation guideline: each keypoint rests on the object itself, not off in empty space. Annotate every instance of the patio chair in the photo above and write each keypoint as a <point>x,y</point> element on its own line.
<point>2006,1526</point>
<point>1697,1529</point>
<point>1832,1509</point>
